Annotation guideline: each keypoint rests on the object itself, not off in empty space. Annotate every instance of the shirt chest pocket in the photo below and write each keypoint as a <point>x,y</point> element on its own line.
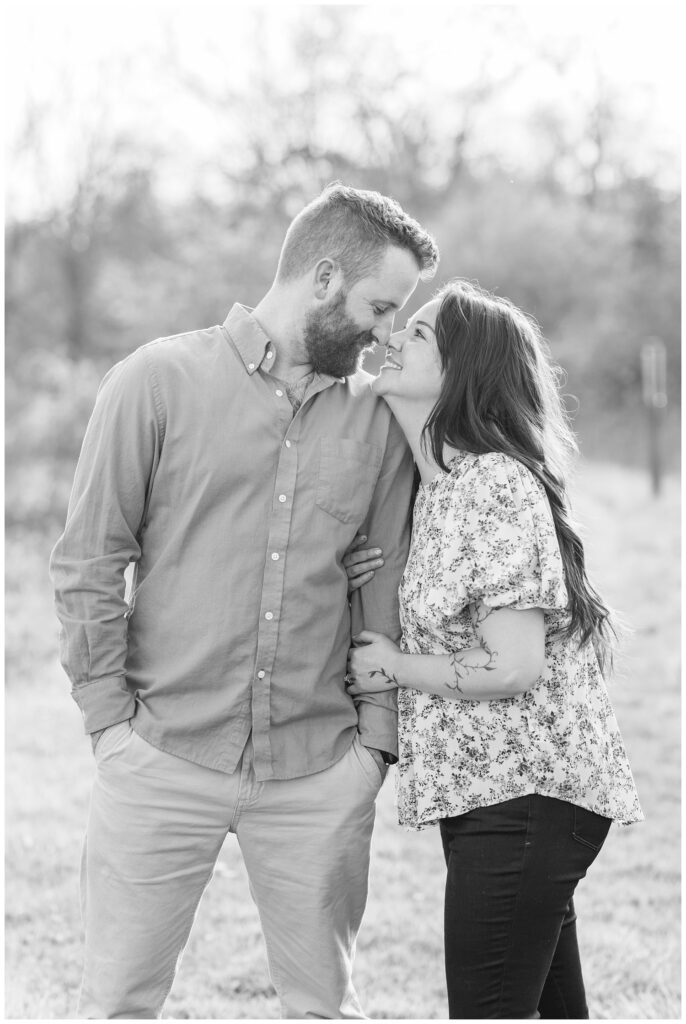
<point>347,475</point>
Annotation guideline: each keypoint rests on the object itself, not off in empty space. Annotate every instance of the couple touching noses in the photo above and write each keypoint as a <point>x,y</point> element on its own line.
<point>234,466</point>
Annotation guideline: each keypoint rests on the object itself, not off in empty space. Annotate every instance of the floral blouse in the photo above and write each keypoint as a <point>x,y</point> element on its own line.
<point>484,531</point>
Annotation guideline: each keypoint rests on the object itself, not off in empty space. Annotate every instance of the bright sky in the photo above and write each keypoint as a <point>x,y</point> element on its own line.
<point>638,49</point>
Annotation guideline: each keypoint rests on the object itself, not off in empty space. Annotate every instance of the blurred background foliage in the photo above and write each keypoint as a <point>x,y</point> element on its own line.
<point>132,231</point>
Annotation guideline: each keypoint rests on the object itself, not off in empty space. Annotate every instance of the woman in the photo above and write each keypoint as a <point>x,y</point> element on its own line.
<point>507,737</point>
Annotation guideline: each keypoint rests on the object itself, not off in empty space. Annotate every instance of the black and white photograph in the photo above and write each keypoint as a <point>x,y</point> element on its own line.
<point>342,511</point>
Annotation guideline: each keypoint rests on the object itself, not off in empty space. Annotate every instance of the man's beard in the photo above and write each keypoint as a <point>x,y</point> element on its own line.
<point>333,340</point>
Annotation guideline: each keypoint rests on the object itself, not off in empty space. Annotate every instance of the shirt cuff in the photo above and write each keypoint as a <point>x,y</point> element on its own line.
<point>378,727</point>
<point>104,702</point>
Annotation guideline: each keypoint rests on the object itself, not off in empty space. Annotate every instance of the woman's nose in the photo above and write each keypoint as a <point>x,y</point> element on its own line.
<point>396,341</point>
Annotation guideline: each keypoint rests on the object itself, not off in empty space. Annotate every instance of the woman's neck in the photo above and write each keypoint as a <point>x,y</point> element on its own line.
<point>412,417</point>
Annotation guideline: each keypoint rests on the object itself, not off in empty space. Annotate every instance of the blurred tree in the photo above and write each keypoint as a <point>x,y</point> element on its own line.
<point>331,102</point>
<point>131,234</point>
<point>86,197</point>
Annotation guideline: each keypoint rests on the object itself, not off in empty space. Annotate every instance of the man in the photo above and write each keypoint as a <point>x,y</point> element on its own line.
<point>233,466</point>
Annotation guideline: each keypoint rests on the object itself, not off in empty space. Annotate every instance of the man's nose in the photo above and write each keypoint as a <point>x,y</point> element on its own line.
<point>382,333</point>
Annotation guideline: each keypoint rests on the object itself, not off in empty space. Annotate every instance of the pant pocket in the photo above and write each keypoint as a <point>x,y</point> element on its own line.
<point>589,828</point>
<point>111,740</point>
<point>366,761</point>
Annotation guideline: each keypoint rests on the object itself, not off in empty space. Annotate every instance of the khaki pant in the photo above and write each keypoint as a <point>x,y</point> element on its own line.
<point>156,825</point>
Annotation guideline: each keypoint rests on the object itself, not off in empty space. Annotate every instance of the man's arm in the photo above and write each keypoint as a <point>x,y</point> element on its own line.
<point>106,510</point>
<point>387,527</point>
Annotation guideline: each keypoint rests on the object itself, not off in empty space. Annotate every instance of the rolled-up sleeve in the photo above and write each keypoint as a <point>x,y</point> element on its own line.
<point>106,510</point>
<point>375,605</point>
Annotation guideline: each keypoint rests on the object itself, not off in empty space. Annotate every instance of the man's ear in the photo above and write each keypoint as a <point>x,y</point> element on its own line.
<point>324,280</point>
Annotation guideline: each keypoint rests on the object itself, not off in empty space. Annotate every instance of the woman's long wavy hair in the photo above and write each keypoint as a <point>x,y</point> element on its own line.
<point>500,394</point>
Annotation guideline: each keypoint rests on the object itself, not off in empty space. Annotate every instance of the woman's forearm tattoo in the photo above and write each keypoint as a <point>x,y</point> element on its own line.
<point>462,668</point>
<point>479,612</point>
<point>385,675</point>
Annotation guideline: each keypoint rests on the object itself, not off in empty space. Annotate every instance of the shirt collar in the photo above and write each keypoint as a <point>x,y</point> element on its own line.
<point>253,343</point>
<point>248,337</point>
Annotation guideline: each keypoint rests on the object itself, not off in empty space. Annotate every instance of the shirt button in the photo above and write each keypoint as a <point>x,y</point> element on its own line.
<point>282,497</point>
<point>288,444</point>
<point>275,557</point>
<point>251,366</point>
<point>260,675</point>
<point>269,615</point>
<point>279,392</point>
<point>269,355</point>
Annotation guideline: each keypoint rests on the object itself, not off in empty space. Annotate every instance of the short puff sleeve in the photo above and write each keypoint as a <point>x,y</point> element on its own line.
<point>500,545</point>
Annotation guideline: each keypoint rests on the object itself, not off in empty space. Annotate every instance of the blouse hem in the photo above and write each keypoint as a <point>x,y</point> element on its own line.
<point>427,822</point>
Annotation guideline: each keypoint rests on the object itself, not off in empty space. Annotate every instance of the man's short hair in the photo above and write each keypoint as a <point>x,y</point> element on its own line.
<point>354,227</point>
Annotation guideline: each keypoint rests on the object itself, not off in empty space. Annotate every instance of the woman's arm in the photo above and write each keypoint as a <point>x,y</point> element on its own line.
<point>508,660</point>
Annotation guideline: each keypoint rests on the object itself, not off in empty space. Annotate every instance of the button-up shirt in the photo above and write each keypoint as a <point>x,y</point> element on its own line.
<point>236,514</point>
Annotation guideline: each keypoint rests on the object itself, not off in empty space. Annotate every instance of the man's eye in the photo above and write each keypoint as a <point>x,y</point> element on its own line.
<point>379,311</point>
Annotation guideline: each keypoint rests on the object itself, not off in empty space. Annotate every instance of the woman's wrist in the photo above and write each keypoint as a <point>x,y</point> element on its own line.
<point>399,668</point>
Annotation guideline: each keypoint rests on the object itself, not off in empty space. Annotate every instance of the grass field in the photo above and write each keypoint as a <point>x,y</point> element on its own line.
<point>629,906</point>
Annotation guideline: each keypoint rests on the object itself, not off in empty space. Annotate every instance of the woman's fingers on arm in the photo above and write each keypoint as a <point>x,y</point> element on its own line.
<point>357,542</point>
<point>355,582</point>
<point>361,561</point>
<point>360,566</point>
<point>367,636</point>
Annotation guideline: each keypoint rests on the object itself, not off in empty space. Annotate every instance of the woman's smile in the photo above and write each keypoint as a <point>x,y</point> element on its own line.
<point>391,363</point>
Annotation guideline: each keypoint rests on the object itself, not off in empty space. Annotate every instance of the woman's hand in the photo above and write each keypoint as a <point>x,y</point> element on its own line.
<point>360,565</point>
<point>372,667</point>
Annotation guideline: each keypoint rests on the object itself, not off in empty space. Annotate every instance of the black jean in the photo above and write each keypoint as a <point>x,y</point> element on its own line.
<point>510,928</point>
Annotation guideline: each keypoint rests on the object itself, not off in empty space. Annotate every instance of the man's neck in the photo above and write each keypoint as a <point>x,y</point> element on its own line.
<point>276,318</point>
